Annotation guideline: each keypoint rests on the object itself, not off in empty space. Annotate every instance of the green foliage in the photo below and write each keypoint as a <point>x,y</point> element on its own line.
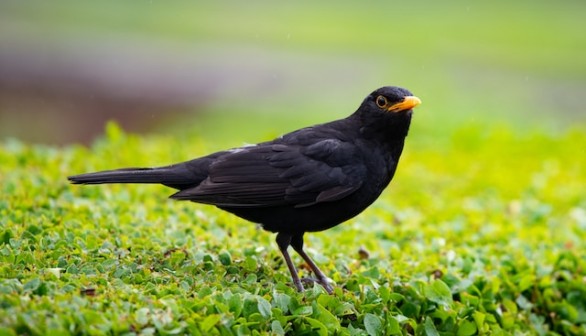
<point>483,235</point>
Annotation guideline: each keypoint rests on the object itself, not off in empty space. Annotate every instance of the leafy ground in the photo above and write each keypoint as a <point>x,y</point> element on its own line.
<point>482,234</point>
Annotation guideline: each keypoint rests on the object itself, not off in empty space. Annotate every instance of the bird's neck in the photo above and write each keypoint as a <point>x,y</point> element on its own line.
<point>386,131</point>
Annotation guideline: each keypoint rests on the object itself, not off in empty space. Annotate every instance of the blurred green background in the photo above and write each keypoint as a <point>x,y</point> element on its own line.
<point>248,71</point>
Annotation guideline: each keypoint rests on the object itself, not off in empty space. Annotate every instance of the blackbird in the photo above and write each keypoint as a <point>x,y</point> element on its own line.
<point>305,181</point>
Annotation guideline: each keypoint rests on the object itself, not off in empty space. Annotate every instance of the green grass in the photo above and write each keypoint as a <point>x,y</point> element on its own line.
<point>481,235</point>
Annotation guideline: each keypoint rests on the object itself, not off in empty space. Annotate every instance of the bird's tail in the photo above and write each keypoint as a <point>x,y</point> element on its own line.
<point>174,176</point>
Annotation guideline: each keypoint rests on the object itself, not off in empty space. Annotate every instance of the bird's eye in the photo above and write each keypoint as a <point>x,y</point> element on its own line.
<point>381,101</point>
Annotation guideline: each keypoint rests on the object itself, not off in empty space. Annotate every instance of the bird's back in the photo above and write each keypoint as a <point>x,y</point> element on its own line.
<point>308,180</point>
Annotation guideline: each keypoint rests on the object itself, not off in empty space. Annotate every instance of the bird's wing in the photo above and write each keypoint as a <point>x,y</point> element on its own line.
<point>280,174</point>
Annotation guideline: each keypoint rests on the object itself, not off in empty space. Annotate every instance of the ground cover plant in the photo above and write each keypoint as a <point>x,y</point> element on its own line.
<point>482,235</point>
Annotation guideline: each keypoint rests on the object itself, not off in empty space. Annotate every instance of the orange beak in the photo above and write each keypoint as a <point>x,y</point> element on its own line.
<point>408,103</point>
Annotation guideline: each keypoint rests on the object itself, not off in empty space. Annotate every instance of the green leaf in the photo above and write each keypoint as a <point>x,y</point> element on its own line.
<point>210,321</point>
<point>393,327</point>
<point>479,318</point>
<point>372,324</point>
<point>32,285</point>
<point>276,328</point>
<point>250,264</point>
<point>235,304</point>
<point>327,318</point>
<point>510,306</point>
<point>6,236</point>
<point>264,308</point>
<point>225,258</point>
<point>282,301</point>
<point>526,282</point>
<point>410,309</point>
<point>7,331</point>
<point>439,293</point>
<point>467,328</point>
<point>34,230</point>
<point>317,326</point>
<point>429,327</point>
<point>142,316</point>
<point>250,307</point>
<point>303,310</point>
<point>523,303</point>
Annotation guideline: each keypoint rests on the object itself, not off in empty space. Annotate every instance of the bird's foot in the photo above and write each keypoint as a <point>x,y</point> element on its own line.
<point>323,282</point>
<point>298,284</point>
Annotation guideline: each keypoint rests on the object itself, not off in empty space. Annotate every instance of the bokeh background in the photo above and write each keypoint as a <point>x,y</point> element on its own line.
<point>248,71</point>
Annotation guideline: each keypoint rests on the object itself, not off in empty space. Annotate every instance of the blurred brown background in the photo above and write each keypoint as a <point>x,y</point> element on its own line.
<point>67,67</point>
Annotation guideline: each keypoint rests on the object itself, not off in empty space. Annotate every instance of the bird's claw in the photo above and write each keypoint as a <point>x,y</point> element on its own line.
<point>323,282</point>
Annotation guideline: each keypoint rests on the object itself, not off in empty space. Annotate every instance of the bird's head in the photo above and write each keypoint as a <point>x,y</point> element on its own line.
<point>391,99</point>
<point>388,108</point>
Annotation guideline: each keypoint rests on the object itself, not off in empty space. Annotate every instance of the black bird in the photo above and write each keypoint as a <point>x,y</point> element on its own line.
<point>308,180</point>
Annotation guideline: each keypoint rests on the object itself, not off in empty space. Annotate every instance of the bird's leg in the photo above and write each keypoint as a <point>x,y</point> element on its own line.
<point>284,240</point>
<point>297,244</point>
